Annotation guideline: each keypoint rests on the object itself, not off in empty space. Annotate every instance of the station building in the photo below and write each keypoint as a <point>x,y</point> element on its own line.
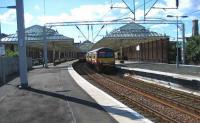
<point>134,42</point>
<point>60,47</point>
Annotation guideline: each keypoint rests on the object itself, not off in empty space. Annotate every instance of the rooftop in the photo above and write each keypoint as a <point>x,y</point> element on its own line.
<point>34,37</point>
<point>127,35</point>
<point>35,34</point>
<point>133,31</point>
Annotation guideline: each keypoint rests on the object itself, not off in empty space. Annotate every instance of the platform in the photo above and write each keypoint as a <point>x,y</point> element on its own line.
<point>185,75</point>
<point>54,97</point>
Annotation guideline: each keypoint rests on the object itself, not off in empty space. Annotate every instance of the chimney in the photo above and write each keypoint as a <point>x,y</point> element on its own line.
<point>195,28</point>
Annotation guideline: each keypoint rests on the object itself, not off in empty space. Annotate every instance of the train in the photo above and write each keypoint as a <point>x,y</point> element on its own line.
<point>81,56</point>
<point>101,58</point>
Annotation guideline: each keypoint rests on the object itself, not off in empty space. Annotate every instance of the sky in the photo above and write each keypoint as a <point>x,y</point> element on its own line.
<point>38,13</point>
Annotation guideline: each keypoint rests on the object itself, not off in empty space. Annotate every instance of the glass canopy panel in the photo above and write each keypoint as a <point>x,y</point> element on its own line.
<point>35,34</point>
<point>133,30</point>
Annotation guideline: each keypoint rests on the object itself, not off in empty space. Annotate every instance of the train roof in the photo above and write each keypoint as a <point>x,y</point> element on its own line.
<point>101,48</point>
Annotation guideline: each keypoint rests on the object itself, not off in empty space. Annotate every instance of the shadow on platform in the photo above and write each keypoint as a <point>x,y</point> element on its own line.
<point>110,109</point>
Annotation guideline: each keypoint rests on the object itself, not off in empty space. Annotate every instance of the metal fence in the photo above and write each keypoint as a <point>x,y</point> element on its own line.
<point>9,66</point>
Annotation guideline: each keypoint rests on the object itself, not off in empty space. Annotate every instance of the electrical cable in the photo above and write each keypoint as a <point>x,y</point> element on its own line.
<point>127,14</point>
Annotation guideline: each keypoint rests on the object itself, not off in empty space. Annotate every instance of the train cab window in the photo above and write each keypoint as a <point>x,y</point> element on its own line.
<point>105,54</point>
<point>89,55</point>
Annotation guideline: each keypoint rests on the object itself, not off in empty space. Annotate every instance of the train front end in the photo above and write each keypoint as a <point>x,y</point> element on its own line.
<point>105,58</point>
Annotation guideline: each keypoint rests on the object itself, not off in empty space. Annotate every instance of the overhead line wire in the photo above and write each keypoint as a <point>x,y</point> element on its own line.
<point>141,5</point>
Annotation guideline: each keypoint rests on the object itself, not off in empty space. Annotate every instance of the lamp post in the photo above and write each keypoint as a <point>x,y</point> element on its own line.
<point>177,51</point>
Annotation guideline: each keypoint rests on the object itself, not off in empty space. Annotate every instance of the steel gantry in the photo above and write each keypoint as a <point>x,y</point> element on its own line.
<point>158,21</point>
<point>92,23</point>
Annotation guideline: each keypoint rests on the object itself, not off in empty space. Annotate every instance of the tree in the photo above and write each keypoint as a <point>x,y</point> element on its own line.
<point>193,49</point>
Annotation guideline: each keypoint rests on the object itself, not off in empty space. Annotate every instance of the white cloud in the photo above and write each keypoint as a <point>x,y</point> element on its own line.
<point>172,4</point>
<point>123,11</point>
<point>121,5</point>
<point>28,19</point>
<point>159,26</point>
<point>185,6</point>
<point>8,17</point>
<point>188,34</point>
<point>89,12</point>
<point>139,14</point>
<point>37,7</point>
<point>84,13</point>
<point>104,12</point>
<point>193,17</point>
<point>109,29</point>
<point>137,3</point>
<point>50,19</point>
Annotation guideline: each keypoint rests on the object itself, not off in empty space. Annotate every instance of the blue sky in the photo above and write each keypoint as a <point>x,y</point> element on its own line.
<point>79,10</point>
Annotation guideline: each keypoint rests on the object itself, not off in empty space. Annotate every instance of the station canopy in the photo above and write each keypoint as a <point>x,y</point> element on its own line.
<point>34,37</point>
<point>127,35</point>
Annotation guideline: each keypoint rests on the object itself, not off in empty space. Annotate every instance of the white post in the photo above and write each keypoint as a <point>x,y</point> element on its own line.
<point>21,44</point>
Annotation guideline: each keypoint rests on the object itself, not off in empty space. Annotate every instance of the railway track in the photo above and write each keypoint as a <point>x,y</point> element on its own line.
<point>164,111</point>
<point>188,101</point>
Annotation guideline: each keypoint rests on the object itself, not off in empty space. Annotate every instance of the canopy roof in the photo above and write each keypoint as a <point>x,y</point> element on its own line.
<point>35,34</point>
<point>129,34</point>
<point>132,31</point>
<point>34,37</point>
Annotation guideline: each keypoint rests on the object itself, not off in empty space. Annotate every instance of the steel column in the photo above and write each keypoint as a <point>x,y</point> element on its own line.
<point>183,46</point>
<point>45,48</point>
<point>177,52</point>
<point>21,43</point>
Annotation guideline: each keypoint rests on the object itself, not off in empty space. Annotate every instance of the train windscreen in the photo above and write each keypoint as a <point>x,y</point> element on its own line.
<point>105,54</point>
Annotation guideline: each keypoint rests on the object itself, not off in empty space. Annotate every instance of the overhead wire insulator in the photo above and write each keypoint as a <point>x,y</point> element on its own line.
<point>111,7</point>
<point>177,3</point>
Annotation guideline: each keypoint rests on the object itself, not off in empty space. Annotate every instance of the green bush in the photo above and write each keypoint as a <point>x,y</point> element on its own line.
<point>11,53</point>
<point>193,49</point>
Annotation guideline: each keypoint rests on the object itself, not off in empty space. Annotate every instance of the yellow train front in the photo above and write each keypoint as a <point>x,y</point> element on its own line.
<point>101,59</point>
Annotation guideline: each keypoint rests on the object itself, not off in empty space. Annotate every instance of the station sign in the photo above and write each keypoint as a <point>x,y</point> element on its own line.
<point>2,50</point>
<point>138,48</point>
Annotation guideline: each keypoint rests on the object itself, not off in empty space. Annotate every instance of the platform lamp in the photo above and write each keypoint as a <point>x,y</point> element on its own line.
<point>177,52</point>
